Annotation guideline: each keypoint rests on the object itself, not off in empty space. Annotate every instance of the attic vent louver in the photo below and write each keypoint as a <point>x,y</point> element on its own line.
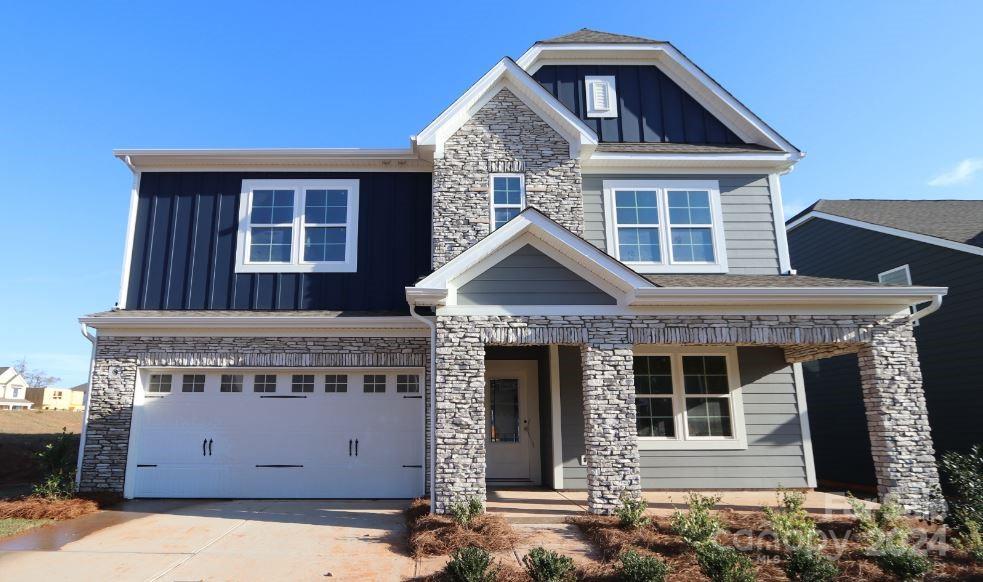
<point>602,96</point>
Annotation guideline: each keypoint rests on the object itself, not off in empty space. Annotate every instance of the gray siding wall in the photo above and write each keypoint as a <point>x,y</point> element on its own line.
<point>748,220</point>
<point>529,277</point>
<point>774,457</point>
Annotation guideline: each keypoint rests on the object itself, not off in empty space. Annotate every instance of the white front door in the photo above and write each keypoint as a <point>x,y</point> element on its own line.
<point>312,434</point>
<point>512,422</point>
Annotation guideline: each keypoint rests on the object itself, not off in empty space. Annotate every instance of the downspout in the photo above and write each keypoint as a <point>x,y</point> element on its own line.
<point>433,398</point>
<point>86,404</point>
<point>932,308</point>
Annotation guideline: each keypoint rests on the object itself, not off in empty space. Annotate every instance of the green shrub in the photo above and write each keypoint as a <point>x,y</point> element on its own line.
<point>795,529</point>
<point>963,472</point>
<point>548,566</point>
<point>724,564</point>
<point>808,565</point>
<point>631,512</point>
<point>470,564</point>
<point>463,512</point>
<point>638,568</point>
<point>698,524</point>
<point>971,541</point>
<point>905,562</point>
<point>57,460</point>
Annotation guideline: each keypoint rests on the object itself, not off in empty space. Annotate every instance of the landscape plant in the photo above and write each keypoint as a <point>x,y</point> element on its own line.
<point>464,512</point>
<point>697,525</point>
<point>636,567</point>
<point>631,512</point>
<point>470,564</point>
<point>723,563</point>
<point>885,532</point>
<point>57,461</point>
<point>971,541</point>
<point>544,565</point>
<point>796,531</point>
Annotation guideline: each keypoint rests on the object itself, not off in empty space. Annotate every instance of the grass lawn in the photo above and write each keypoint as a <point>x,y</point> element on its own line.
<point>15,525</point>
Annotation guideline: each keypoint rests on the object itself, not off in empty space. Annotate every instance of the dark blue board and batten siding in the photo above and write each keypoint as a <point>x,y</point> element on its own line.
<point>651,106</point>
<point>184,246</point>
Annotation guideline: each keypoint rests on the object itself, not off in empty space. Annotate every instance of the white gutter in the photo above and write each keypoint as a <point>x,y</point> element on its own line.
<point>247,322</point>
<point>783,295</point>
<point>932,308</point>
<point>88,398</point>
<point>433,398</point>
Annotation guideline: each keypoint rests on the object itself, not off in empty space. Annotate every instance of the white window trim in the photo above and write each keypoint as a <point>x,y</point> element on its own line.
<point>668,264</point>
<point>612,88</point>
<point>682,440</point>
<point>297,263</point>
<point>907,272</point>
<point>491,196</point>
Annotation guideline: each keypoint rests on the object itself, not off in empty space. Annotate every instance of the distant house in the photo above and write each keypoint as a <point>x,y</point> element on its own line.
<point>54,398</point>
<point>899,242</point>
<point>13,390</point>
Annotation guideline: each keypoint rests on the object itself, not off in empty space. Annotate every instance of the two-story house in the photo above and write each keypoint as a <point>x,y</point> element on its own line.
<point>13,390</point>
<point>920,242</point>
<point>575,277</point>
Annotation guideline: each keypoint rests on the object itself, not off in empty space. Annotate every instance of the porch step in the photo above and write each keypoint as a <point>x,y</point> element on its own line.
<point>531,506</point>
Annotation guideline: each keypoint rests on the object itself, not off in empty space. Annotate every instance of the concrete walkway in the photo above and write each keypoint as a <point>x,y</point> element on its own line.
<point>218,540</point>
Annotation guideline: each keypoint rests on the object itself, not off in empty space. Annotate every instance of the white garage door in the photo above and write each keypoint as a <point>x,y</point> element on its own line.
<point>277,434</point>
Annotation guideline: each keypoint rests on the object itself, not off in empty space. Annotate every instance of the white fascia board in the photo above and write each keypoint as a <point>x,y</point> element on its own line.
<point>257,322</point>
<point>888,296</point>
<point>293,158</point>
<point>932,240</point>
<point>506,73</point>
<point>765,163</point>
<point>564,241</point>
<point>677,67</point>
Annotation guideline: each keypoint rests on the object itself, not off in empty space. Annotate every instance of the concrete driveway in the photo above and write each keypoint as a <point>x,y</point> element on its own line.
<point>218,540</point>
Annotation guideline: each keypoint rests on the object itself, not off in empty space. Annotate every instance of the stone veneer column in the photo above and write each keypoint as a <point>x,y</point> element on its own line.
<point>107,433</point>
<point>897,419</point>
<point>610,434</point>
<point>460,413</point>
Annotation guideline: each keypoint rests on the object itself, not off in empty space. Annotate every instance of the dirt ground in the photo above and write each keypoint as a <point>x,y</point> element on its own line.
<point>22,434</point>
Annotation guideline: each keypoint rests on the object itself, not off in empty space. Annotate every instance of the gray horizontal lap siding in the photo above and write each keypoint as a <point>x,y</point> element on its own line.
<point>749,224</point>
<point>529,277</point>
<point>774,457</point>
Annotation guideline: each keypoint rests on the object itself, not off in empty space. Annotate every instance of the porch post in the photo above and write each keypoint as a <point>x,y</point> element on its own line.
<point>897,419</point>
<point>610,435</point>
<point>459,418</point>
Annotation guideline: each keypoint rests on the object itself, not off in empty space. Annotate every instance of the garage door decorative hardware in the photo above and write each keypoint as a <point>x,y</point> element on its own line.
<point>412,466</point>
<point>350,447</point>
<point>146,465</point>
<point>284,396</point>
<point>206,443</point>
<point>412,396</point>
<point>279,466</point>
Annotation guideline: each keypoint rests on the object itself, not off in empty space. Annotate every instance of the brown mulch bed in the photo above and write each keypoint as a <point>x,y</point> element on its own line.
<point>744,530</point>
<point>439,535</point>
<point>41,508</point>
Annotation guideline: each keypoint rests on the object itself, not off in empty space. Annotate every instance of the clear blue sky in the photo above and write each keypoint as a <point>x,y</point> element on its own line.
<point>883,96</point>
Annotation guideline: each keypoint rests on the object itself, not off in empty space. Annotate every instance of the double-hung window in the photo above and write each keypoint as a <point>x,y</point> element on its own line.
<point>298,226</point>
<point>665,226</point>
<point>508,198</point>
<point>688,398</point>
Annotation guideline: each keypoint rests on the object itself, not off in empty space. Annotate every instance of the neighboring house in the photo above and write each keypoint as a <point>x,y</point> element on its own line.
<point>53,398</point>
<point>575,277</point>
<point>904,242</point>
<point>13,390</point>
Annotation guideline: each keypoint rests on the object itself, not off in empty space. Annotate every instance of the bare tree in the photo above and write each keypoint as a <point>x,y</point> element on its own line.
<point>35,378</point>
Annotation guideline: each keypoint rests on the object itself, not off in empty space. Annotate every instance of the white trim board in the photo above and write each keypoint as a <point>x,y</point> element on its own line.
<point>556,417</point>
<point>778,212</point>
<point>131,222</point>
<point>800,399</point>
<point>928,239</point>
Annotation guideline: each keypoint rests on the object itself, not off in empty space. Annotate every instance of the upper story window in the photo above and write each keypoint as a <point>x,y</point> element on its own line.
<point>602,96</point>
<point>664,226</point>
<point>508,198</point>
<point>298,226</point>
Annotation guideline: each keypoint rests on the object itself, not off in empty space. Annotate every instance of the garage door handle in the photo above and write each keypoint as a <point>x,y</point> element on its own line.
<point>349,447</point>
<point>204,443</point>
<point>209,447</point>
<point>356,447</point>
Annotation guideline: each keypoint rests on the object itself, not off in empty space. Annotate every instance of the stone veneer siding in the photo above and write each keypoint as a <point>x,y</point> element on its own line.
<point>904,457</point>
<point>504,136</point>
<point>118,358</point>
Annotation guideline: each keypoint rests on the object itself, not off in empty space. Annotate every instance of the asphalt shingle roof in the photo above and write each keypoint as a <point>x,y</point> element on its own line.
<point>954,220</point>
<point>683,148</point>
<point>586,35</point>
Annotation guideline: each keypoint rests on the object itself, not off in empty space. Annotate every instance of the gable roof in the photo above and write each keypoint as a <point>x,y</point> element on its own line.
<point>587,35</point>
<point>507,74</point>
<point>955,224</point>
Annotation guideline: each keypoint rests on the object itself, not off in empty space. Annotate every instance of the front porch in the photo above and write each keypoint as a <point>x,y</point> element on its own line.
<point>616,461</point>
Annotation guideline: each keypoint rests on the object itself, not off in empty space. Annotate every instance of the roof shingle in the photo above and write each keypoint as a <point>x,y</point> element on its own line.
<point>954,220</point>
<point>770,281</point>
<point>586,35</point>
